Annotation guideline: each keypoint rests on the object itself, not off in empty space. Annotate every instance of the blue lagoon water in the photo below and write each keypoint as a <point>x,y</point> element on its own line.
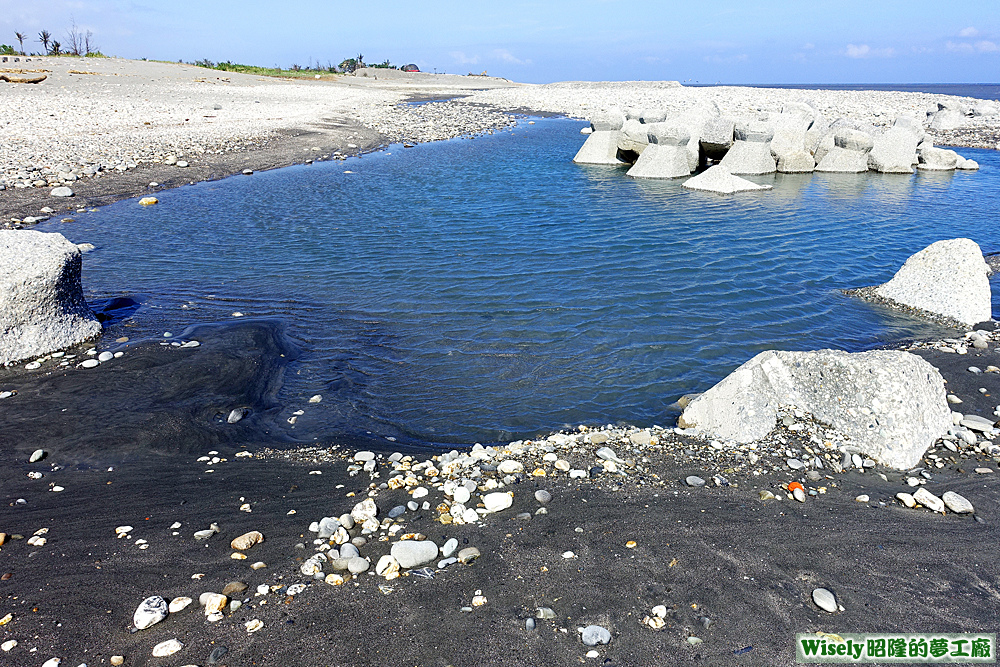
<point>490,289</point>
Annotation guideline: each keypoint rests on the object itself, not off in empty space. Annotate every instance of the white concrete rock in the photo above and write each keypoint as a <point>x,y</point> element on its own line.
<point>849,153</point>
<point>947,278</point>
<point>936,159</point>
<point>889,404</point>
<point>948,117</point>
<point>42,308</point>
<point>717,137</point>
<point>666,156</point>
<point>893,151</point>
<point>751,150</point>
<point>718,179</point>
<point>601,147</point>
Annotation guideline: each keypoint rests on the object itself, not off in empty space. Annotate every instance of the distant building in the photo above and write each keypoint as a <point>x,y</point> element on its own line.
<point>410,68</point>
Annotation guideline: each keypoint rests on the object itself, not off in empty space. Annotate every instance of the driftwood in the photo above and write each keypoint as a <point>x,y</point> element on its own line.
<point>22,78</point>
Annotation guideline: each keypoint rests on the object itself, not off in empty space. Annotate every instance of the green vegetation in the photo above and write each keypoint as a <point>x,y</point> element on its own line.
<point>346,66</point>
<point>7,50</point>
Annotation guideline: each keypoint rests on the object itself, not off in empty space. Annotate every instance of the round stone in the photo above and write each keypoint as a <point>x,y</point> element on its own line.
<point>509,467</point>
<point>825,600</point>
<point>694,480</point>
<point>411,553</point>
<point>105,356</point>
<point>62,192</point>
<point>595,634</point>
<point>449,547</point>
<point>152,610</point>
<point>957,503</point>
<point>357,565</point>
<point>543,496</point>
<point>468,554</point>
<point>498,501</point>
<point>462,495</point>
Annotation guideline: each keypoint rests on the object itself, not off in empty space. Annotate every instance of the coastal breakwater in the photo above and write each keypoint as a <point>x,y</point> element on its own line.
<point>796,139</point>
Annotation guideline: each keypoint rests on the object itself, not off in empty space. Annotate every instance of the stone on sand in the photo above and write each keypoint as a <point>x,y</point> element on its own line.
<point>411,553</point>
<point>247,540</point>
<point>957,503</point>
<point>929,500</point>
<point>151,611</point>
<point>947,278</point>
<point>42,307</point>
<point>592,635</point>
<point>825,600</point>
<point>719,179</point>
<point>890,404</point>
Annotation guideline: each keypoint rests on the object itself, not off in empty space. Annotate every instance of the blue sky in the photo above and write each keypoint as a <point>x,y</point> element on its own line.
<point>776,41</point>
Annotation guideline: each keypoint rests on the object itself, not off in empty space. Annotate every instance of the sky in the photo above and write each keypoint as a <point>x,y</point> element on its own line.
<point>694,41</point>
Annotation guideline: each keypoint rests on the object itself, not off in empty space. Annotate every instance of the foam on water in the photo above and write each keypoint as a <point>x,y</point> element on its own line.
<point>487,289</point>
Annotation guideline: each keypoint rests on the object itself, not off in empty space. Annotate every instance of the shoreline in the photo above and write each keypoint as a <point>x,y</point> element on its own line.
<point>733,567</point>
<point>223,125</point>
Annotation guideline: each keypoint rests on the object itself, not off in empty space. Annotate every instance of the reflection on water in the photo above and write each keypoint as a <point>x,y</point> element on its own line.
<point>481,290</point>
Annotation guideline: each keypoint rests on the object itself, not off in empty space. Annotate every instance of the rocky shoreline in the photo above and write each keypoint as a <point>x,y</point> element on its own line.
<point>115,129</point>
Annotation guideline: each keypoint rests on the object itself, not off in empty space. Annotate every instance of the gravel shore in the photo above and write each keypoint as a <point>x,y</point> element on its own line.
<point>110,127</point>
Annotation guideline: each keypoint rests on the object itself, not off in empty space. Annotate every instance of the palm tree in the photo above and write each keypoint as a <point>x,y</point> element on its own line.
<point>20,39</point>
<point>44,37</point>
<point>55,51</point>
<point>361,60</point>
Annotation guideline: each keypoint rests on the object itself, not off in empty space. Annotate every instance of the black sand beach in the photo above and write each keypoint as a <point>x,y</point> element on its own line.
<point>747,565</point>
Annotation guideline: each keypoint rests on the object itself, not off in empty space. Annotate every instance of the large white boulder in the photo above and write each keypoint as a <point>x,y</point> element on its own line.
<point>718,179</point>
<point>789,140</point>
<point>936,159</point>
<point>894,150</point>
<point>42,308</point>
<point>601,146</point>
<point>948,279</point>
<point>666,155</point>
<point>751,150</point>
<point>633,137</point>
<point>849,153</point>
<point>949,116</point>
<point>890,404</point>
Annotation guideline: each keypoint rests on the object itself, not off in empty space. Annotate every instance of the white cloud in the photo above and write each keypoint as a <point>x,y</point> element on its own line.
<point>865,51</point>
<point>982,46</point>
<point>808,46</point>
<point>968,32</point>
<point>508,57</point>
<point>463,59</point>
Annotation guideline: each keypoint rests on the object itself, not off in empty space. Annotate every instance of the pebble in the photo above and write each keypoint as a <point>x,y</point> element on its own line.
<point>906,499</point>
<point>510,467</point>
<point>8,645</point>
<point>169,647</point>
<point>217,654</point>
<point>496,502</point>
<point>863,498</point>
<point>957,503</point>
<point>117,660</point>
<point>449,547</point>
<point>237,414</point>
<point>462,495</point>
<point>593,635</point>
<point>233,588</point>
<point>52,662</point>
<point>928,500</point>
<point>179,604</point>
<point>214,602</point>
<point>825,600</point>
<point>61,192</point>
<point>247,540</point>
<point>105,356</point>
<point>468,554</point>
<point>254,625</point>
<point>410,553</point>
<point>593,654</point>
<point>543,496</point>
<point>795,464</point>
<point>148,201</point>
<point>799,494</point>
<point>357,565</point>
<point>151,611</point>
<point>694,480</point>
<point>529,624</point>
<point>90,363</point>
<point>37,456</point>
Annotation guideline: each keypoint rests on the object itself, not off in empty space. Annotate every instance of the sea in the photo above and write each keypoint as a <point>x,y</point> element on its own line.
<point>489,289</point>
<point>982,91</point>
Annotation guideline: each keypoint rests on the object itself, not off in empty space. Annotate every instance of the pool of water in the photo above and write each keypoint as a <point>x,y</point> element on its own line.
<point>490,289</point>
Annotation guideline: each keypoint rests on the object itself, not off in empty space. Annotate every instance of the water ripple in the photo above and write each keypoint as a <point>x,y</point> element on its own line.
<point>490,289</point>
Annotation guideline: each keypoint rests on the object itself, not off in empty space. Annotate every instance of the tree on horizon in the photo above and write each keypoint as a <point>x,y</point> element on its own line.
<point>20,39</point>
<point>44,37</point>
